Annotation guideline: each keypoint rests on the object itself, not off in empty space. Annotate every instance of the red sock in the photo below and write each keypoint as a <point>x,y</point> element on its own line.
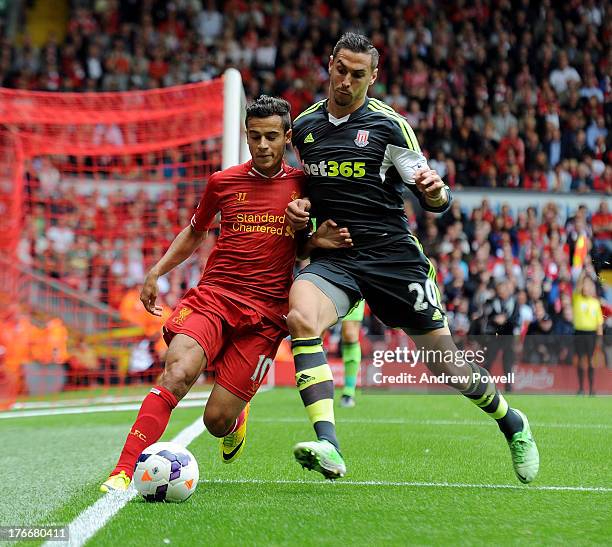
<point>149,426</point>
<point>239,421</point>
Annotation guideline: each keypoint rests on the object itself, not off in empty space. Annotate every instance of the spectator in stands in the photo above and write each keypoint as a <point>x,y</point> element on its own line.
<point>501,315</point>
<point>459,317</point>
<point>588,325</point>
<point>561,76</point>
<point>601,223</point>
<point>17,337</point>
<point>526,315</point>
<point>563,330</point>
<point>539,347</point>
<point>504,120</point>
<point>596,130</point>
<point>60,235</point>
<point>55,335</point>
<point>144,46</point>
<point>83,363</point>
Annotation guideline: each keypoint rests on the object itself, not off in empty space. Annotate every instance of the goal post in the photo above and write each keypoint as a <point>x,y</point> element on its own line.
<point>235,149</point>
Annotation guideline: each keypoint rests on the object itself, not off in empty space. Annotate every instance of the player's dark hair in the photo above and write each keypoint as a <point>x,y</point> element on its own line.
<point>266,106</point>
<point>357,43</point>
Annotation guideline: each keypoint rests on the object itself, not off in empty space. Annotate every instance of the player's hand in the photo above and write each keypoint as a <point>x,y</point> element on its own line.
<point>297,213</point>
<point>429,183</point>
<point>148,295</point>
<point>329,236</point>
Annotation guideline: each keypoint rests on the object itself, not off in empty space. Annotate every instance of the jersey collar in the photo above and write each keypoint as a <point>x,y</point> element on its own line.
<point>254,172</point>
<point>339,121</point>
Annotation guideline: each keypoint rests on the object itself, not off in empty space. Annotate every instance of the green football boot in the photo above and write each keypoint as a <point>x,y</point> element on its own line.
<point>525,456</point>
<point>321,456</point>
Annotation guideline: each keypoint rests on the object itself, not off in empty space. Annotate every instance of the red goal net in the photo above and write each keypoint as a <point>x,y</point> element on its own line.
<point>93,188</point>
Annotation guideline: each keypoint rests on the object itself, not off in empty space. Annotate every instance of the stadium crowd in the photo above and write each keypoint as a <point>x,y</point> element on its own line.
<point>523,265</point>
<point>501,94</point>
<point>531,258</point>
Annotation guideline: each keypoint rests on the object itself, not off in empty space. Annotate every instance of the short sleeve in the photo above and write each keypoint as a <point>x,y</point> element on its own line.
<point>403,150</point>
<point>208,206</point>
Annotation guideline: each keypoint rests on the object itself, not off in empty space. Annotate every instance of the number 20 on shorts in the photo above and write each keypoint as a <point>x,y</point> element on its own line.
<point>430,292</point>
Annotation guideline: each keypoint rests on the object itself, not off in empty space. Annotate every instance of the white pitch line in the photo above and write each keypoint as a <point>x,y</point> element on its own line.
<point>343,482</point>
<point>193,402</point>
<point>92,519</point>
<point>407,421</point>
<point>90,409</point>
<point>111,399</point>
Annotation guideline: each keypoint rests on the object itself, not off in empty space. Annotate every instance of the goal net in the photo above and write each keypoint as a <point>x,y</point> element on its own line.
<point>93,188</point>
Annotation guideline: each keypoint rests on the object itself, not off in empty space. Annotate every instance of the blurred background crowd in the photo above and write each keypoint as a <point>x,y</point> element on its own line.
<point>501,94</point>
<point>505,94</point>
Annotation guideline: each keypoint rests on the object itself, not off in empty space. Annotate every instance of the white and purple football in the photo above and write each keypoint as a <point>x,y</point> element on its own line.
<point>166,472</point>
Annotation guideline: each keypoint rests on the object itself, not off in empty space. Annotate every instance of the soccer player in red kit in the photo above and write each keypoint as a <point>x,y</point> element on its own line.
<point>233,321</point>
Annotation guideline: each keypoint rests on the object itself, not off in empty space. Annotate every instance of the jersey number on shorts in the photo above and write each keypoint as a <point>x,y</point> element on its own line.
<point>430,292</point>
<point>262,367</point>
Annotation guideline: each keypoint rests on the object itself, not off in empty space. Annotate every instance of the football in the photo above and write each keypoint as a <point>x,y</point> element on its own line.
<point>166,472</point>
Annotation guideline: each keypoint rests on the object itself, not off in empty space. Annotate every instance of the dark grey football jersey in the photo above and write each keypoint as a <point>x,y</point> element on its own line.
<point>358,168</point>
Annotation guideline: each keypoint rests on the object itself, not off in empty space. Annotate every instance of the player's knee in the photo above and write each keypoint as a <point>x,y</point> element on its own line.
<point>217,422</point>
<point>178,376</point>
<point>300,324</point>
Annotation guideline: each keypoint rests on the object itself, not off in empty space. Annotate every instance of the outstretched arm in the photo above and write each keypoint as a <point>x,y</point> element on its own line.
<point>180,250</point>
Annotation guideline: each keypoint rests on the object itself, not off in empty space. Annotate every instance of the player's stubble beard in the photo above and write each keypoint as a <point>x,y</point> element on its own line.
<point>343,99</point>
<point>346,101</point>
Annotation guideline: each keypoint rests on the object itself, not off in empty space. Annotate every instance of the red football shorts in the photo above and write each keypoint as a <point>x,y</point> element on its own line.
<point>239,342</point>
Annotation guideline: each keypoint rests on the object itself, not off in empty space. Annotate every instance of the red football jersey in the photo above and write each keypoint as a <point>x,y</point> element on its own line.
<point>254,256</point>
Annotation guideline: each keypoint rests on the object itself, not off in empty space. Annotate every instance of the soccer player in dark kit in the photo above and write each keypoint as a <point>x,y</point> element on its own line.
<point>234,320</point>
<point>359,156</point>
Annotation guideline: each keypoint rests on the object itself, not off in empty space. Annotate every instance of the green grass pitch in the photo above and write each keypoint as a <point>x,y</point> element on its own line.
<point>449,463</point>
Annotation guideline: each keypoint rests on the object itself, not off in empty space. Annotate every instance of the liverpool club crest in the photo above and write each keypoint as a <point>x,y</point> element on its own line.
<point>361,139</point>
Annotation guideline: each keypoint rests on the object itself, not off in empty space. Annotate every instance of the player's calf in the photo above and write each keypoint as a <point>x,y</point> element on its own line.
<point>222,410</point>
<point>312,311</point>
<point>179,375</point>
<point>512,423</point>
<point>477,385</point>
<point>183,365</point>
<point>149,426</point>
<point>225,416</point>
<point>219,421</point>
